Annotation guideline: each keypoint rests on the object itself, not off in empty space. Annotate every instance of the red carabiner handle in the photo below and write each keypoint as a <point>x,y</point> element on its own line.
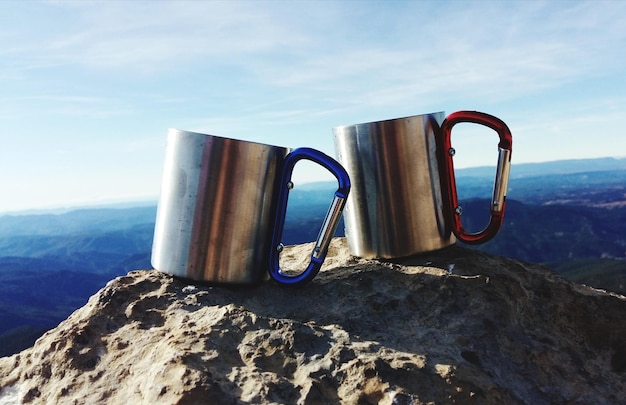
<point>498,201</point>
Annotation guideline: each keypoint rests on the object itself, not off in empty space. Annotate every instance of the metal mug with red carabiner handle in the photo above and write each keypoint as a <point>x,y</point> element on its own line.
<point>498,201</point>
<point>403,192</point>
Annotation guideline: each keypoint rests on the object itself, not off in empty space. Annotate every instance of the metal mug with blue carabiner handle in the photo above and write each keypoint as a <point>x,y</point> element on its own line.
<point>217,215</point>
<point>328,227</point>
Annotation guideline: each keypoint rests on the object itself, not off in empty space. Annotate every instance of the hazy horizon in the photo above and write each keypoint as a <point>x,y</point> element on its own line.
<point>153,200</point>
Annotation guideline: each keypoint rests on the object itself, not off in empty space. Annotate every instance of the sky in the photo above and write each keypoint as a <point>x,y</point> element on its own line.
<point>88,89</point>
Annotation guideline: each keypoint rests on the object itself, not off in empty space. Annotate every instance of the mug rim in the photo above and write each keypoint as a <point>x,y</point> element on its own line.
<point>340,127</point>
<point>225,138</point>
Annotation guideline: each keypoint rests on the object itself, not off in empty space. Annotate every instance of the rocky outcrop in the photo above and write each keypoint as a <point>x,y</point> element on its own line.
<point>452,326</point>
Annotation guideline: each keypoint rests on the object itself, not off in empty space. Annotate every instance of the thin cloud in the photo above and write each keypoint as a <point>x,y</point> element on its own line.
<point>151,37</point>
<point>529,56</point>
<point>539,42</point>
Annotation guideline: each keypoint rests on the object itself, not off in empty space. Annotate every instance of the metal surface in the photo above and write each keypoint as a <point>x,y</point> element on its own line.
<point>395,207</point>
<point>329,226</point>
<point>501,184</point>
<point>216,211</point>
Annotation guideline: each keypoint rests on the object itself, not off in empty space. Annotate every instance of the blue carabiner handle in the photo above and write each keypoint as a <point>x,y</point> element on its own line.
<point>328,226</point>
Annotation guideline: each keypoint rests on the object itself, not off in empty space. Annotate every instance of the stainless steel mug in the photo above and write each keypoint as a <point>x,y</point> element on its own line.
<point>222,208</point>
<point>404,199</point>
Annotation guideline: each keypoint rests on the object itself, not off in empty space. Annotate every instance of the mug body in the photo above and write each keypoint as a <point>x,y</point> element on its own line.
<point>217,206</point>
<point>395,207</point>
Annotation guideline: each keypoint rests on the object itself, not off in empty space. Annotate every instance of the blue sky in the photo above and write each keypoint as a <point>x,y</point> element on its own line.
<point>89,89</point>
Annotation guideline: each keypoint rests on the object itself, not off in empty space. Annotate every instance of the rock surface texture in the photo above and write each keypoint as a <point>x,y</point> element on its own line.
<point>453,326</point>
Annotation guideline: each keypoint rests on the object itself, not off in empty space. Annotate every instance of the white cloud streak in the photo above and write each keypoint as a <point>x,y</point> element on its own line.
<point>149,37</point>
<point>493,49</point>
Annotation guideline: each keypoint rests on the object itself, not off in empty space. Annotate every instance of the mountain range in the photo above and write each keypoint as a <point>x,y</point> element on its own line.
<point>567,215</point>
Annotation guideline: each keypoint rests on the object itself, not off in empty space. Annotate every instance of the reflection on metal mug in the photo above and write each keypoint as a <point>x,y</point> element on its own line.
<point>404,199</point>
<point>222,209</point>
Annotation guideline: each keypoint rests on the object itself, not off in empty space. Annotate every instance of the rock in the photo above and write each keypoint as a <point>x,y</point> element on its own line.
<point>452,326</point>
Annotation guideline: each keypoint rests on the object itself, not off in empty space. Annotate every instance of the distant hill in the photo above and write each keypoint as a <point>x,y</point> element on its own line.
<point>36,296</point>
<point>559,167</point>
<point>20,338</point>
<point>553,233</point>
<point>607,274</point>
<point>77,221</point>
